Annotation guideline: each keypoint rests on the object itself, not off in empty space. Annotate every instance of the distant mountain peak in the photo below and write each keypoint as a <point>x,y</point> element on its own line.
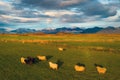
<point>23,30</point>
<point>75,30</point>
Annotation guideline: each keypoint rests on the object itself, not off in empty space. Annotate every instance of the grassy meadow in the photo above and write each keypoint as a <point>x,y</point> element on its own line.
<point>87,49</point>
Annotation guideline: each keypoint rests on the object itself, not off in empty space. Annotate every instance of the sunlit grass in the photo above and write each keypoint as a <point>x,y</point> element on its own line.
<point>88,52</point>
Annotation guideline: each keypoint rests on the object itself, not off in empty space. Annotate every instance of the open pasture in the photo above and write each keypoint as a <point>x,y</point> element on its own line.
<point>87,49</point>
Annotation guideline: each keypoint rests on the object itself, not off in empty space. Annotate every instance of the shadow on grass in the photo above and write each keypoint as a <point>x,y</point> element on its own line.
<point>60,63</point>
<point>80,64</point>
<point>36,60</point>
<point>98,65</point>
<point>49,57</point>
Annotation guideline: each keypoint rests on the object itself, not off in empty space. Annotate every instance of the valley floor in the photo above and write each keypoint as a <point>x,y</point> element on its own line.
<point>87,49</point>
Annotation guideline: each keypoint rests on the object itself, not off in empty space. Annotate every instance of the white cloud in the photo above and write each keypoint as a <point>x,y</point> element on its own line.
<point>49,20</point>
<point>19,19</point>
<point>5,6</point>
<point>113,18</point>
<point>54,13</point>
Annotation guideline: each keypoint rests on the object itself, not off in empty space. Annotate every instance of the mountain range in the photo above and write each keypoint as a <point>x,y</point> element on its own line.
<point>75,30</point>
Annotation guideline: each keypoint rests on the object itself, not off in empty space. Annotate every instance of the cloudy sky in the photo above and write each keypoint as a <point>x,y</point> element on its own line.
<point>39,14</point>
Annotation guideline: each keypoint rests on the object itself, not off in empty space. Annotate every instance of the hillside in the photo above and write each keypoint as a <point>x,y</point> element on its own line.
<point>110,30</point>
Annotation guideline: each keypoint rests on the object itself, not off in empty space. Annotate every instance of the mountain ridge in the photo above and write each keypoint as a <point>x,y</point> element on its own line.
<point>75,30</point>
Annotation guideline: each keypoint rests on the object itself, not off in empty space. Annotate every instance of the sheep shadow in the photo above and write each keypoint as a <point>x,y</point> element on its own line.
<point>60,63</point>
<point>49,57</point>
<point>64,49</point>
<point>36,60</point>
<point>98,65</point>
<point>80,64</point>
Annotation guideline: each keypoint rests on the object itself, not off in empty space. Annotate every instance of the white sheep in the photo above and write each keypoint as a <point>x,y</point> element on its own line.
<point>42,58</point>
<point>23,60</point>
<point>101,70</point>
<point>53,65</point>
<point>61,49</point>
<point>79,68</point>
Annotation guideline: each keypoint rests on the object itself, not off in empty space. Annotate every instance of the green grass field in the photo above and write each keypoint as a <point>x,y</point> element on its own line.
<point>87,49</point>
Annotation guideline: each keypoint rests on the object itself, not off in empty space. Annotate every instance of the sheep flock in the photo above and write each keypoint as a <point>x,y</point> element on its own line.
<point>52,65</point>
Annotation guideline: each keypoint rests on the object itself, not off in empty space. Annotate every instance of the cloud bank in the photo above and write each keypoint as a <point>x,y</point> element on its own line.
<point>58,11</point>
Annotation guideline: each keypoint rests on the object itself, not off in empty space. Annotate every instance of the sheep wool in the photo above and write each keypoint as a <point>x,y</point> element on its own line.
<point>60,49</point>
<point>42,58</point>
<point>101,70</point>
<point>53,65</point>
<point>79,68</point>
<point>23,60</point>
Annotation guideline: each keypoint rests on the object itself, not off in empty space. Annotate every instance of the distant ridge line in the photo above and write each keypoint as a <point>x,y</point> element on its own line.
<point>75,30</point>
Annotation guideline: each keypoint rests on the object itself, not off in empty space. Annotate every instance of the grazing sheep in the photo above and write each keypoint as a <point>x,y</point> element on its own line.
<point>53,65</point>
<point>61,49</point>
<point>79,68</point>
<point>27,60</point>
<point>42,58</point>
<point>101,70</point>
<point>23,60</point>
<point>30,60</point>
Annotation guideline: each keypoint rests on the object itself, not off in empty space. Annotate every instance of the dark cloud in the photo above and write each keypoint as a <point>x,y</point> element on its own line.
<point>41,3</point>
<point>88,7</point>
<point>96,8</point>
<point>33,14</point>
<point>31,11</point>
<point>4,24</point>
<point>53,4</point>
<point>2,12</point>
<point>76,18</point>
<point>92,11</point>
